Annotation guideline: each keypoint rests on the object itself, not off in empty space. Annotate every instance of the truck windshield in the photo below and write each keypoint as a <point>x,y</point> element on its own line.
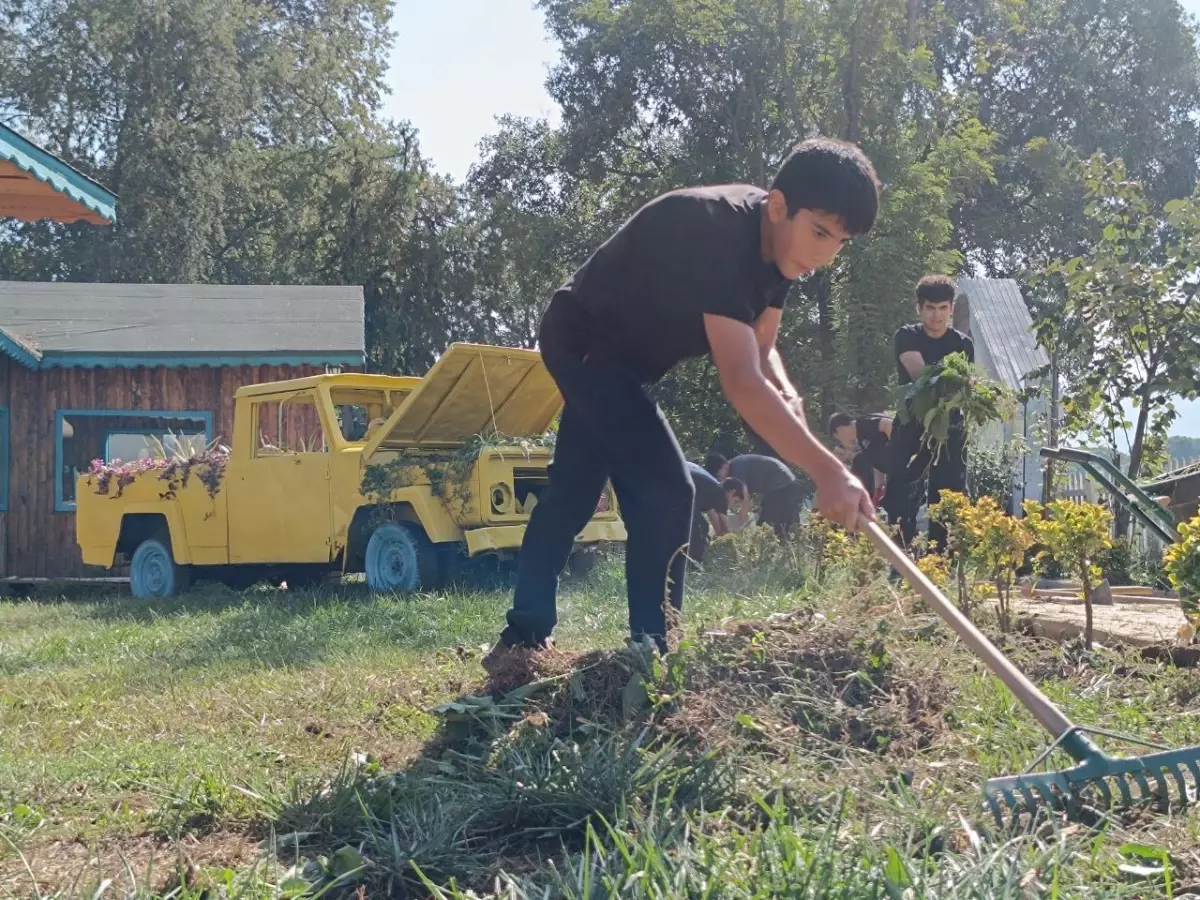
<point>360,412</point>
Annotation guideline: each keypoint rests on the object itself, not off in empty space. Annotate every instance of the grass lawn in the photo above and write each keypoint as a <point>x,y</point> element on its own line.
<point>280,743</point>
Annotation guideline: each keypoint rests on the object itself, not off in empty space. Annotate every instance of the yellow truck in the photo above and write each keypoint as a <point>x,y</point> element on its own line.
<point>386,475</point>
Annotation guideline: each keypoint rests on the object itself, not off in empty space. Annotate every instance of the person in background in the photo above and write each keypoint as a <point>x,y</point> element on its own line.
<point>911,466</point>
<point>769,481</point>
<point>711,508</point>
<point>865,441</point>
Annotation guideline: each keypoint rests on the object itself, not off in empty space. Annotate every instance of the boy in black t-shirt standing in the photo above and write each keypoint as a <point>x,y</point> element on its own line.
<point>694,272</point>
<point>916,346</point>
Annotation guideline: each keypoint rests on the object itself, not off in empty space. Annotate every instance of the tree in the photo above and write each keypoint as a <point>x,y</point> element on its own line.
<point>1132,312</point>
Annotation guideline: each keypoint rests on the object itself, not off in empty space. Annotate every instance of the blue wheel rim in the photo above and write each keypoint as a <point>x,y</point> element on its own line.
<point>392,560</point>
<point>153,571</point>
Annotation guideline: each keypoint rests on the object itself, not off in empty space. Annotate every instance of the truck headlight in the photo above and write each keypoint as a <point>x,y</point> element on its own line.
<point>502,498</point>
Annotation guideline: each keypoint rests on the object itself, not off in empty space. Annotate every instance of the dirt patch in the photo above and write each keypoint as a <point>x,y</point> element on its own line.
<point>141,862</point>
<point>793,678</point>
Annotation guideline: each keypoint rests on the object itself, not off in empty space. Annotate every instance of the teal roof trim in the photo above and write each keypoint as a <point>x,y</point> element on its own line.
<point>15,346</point>
<point>48,168</point>
<point>194,360</point>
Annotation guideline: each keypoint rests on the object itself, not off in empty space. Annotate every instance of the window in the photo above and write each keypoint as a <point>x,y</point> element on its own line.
<point>361,411</point>
<point>82,435</point>
<point>291,425</point>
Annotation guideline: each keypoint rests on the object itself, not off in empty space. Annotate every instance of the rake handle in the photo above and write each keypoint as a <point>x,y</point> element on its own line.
<point>1049,715</point>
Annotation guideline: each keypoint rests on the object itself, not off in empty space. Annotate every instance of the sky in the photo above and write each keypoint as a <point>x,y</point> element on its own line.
<point>457,65</point>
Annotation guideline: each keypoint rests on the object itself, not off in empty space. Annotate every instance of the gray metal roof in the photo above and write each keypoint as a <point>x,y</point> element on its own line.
<point>59,320</point>
<point>1001,321</point>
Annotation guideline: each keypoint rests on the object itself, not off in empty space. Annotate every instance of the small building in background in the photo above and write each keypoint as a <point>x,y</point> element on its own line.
<point>994,314</point>
<point>120,371</point>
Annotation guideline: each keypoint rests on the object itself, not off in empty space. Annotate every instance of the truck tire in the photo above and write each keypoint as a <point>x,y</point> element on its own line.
<point>400,559</point>
<point>154,573</point>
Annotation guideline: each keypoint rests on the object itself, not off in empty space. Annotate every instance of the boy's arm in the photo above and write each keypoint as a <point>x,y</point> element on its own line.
<point>739,360</point>
<point>720,526</point>
<point>910,358</point>
<point>766,330</point>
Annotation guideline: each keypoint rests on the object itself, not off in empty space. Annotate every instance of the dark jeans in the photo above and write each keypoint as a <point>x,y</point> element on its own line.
<point>609,429</point>
<point>907,479</point>
<point>698,545</point>
<point>780,509</point>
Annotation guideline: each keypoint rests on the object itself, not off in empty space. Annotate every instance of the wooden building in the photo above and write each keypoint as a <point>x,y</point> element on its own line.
<point>105,371</point>
<point>35,185</point>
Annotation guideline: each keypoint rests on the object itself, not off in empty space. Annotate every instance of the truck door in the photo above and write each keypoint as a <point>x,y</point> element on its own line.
<point>279,503</point>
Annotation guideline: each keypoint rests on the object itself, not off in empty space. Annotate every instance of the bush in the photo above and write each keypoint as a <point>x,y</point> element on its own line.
<point>990,471</point>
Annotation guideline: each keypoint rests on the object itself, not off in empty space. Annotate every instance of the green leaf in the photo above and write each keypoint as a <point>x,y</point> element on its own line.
<point>895,871</point>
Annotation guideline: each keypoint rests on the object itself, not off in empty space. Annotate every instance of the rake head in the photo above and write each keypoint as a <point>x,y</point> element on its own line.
<point>1099,781</point>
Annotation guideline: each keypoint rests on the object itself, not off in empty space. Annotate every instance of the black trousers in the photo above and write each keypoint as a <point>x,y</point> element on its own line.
<point>698,545</point>
<point>780,509</point>
<point>914,473</point>
<point>609,429</point>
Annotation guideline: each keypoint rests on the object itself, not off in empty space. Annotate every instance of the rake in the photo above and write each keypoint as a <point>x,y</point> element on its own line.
<point>1096,779</point>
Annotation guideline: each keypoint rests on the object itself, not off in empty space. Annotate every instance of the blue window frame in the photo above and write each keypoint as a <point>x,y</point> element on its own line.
<point>71,450</point>
<point>4,455</point>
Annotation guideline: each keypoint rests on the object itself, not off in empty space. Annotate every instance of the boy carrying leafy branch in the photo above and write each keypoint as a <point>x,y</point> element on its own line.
<point>694,272</point>
<point>925,343</point>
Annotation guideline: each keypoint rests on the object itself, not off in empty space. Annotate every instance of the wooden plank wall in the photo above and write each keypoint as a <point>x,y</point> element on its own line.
<point>36,541</point>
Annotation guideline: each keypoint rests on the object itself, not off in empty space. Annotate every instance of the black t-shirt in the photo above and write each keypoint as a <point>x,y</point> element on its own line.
<point>760,474</point>
<point>913,337</point>
<point>873,441</point>
<point>640,299</point>
<point>864,471</point>
<point>708,490</point>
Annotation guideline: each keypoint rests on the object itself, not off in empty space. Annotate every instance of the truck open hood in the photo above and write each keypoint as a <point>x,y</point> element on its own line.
<point>473,388</point>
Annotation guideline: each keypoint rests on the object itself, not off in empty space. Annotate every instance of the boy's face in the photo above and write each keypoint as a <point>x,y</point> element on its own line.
<point>935,316</point>
<point>804,242</point>
<point>735,501</point>
<point>846,436</point>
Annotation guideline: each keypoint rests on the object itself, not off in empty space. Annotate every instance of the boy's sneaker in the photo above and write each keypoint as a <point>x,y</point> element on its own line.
<point>500,654</point>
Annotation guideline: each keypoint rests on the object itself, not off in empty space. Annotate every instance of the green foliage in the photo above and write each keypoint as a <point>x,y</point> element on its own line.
<point>991,469</point>
<point>948,389</point>
<point>1182,561</point>
<point>1128,313</point>
<point>1074,535</point>
<point>991,542</point>
<point>447,472</point>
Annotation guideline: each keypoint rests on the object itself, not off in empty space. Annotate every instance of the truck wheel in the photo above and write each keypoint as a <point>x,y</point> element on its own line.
<point>399,558</point>
<point>153,572</point>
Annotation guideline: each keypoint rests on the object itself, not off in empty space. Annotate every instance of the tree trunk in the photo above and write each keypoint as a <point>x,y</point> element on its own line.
<point>822,294</point>
<point>1136,451</point>
<point>783,30</point>
<point>1087,604</point>
<point>910,31</point>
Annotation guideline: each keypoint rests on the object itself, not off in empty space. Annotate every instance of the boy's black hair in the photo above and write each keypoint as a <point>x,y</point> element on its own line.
<point>936,289</point>
<point>840,420</point>
<point>713,463</point>
<point>736,485</point>
<point>833,176</point>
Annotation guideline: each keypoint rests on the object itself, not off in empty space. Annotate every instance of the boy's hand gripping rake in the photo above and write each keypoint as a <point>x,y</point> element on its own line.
<point>1136,779</point>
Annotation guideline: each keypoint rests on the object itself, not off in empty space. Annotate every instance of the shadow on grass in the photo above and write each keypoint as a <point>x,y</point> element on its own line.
<point>264,626</point>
